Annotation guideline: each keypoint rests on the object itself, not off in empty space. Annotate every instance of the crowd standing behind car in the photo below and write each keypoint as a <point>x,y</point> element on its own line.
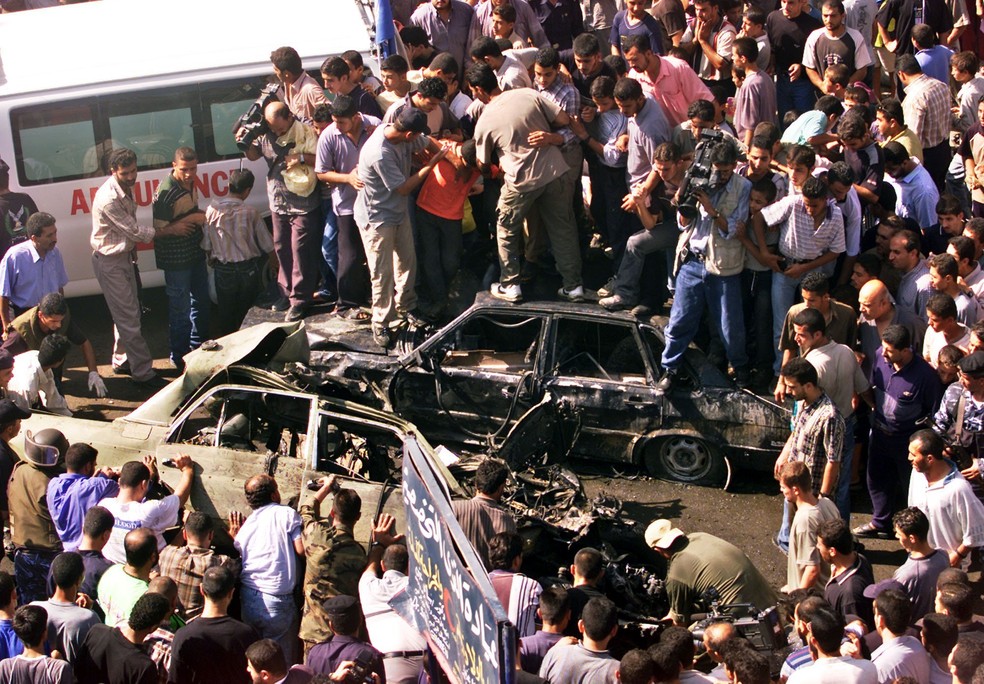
<point>842,174</point>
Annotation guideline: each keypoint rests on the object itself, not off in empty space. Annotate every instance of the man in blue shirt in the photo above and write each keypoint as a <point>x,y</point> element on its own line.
<point>73,493</point>
<point>907,389</point>
<point>31,269</point>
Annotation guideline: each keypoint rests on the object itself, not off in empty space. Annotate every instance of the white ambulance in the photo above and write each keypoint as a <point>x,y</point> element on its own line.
<point>79,80</point>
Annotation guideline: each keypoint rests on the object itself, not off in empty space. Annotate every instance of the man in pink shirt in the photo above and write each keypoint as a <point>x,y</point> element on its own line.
<point>668,80</point>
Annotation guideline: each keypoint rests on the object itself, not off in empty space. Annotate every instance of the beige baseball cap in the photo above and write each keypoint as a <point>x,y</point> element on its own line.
<point>661,534</point>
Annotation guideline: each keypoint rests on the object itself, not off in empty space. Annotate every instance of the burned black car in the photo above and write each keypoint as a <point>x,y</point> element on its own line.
<point>561,381</point>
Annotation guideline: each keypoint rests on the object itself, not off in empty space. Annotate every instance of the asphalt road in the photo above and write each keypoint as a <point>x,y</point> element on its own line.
<point>748,516</point>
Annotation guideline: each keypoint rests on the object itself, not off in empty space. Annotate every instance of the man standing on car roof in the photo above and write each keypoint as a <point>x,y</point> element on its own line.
<point>182,258</point>
<point>298,90</point>
<point>115,235</point>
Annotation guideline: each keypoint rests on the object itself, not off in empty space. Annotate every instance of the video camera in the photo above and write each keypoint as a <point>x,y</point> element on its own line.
<point>700,175</point>
<point>360,672</point>
<point>253,121</point>
<point>760,628</point>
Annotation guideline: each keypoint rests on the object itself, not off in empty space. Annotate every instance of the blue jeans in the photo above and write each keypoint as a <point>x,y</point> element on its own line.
<point>695,289</point>
<point>329,249</point>
<point>273,616</point>
<point>842,495</point>
<point>189,308</point>
<point>799,94</point>
<point>782,539</point>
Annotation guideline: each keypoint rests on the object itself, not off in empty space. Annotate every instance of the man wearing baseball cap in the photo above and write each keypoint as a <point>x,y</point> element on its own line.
<point>698,562</point>
<point>382,214</point>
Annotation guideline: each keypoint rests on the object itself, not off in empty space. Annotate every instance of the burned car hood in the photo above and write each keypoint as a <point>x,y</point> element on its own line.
<point>267,345</point>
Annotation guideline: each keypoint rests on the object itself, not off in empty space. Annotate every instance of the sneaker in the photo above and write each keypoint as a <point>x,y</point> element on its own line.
<point>743,378</point>
<point>415,319</point>
<point>643,312</point>
<point>608,289</point>
<point>296,313</point>
<point>614,303</point>
<point>122,369</point>
<point>575,295</point>
<point>507,293</point>
<point>870,531</point>
<point>381,336</point>
<point>280,305</point>
<point>669,380</point>
<point>597,242</point>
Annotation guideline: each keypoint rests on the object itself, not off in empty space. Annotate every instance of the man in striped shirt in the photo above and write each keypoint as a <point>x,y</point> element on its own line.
<point>518,594</point>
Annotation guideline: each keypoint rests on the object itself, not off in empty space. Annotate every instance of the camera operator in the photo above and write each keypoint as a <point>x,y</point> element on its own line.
<point>709,262</point>
<point>698,562</point>
<point>345,650</point>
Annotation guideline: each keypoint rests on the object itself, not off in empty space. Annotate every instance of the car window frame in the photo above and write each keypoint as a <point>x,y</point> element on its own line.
<point>550,371</point>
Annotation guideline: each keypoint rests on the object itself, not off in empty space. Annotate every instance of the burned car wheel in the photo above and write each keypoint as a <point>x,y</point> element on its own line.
<point>684,458</point>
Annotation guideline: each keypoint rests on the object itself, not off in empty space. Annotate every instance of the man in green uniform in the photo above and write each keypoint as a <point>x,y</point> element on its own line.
<point>698,562</point>
<point>49,317</point>
<point>335,561</point>
<point>32,530</point>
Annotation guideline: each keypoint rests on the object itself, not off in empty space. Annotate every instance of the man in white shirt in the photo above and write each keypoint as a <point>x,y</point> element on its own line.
<point>33,383</point>
<point>270,542</point>
<point>130,510</point>
<point>956,515</point>
<point>829,666</point>
<point>401,644</point>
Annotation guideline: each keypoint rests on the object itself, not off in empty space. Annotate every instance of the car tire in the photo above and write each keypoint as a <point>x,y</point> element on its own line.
<point>685,458</point>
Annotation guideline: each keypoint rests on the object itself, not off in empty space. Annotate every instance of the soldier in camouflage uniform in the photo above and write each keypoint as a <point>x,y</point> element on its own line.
<point>335,561</point>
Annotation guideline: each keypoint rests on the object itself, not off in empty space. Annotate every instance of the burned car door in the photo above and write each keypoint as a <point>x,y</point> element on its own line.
<point>472,380</point>
<point>236,431</point>
<point>600,375</point>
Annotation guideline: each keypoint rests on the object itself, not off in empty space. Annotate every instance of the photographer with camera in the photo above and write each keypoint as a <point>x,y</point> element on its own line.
<point>698,562</point>
<point>709,262</point>
<point>297,220</point>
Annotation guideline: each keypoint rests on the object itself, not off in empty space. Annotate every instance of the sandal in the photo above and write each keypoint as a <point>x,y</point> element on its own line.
<point>355,315</point>
<point>870,531</point>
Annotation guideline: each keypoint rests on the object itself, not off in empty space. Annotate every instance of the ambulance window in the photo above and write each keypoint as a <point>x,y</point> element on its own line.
<point>225,102</point>
<point>55,143</point>
<point>152,126</point>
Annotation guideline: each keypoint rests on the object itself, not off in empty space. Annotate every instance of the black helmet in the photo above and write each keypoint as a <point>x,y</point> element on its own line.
<point>46,448</point>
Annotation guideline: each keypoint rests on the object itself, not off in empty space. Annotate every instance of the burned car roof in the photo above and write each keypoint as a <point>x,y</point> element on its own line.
<point>570,380</point>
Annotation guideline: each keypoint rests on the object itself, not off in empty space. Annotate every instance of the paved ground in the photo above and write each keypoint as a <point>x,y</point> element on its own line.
<point>747,516</point>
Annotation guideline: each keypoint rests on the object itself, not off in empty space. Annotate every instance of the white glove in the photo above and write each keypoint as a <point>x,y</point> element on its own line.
<point>96,384</point>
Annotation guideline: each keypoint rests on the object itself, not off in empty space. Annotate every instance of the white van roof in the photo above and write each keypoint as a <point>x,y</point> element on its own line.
<point>118,40</point>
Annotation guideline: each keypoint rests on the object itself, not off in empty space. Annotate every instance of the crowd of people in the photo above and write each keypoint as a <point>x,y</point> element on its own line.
<point>804,183</point>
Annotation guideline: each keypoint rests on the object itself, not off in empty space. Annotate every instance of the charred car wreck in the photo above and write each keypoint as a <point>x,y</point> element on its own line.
<point>552,381</point>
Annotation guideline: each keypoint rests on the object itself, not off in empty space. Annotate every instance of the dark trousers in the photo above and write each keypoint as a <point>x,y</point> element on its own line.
<point>936,159</point>
<point>237,285</point>
<point>297,243</point>
<point>353,270</point>
<point>608,187</point>
<point>439,256</point>
<point>31,573</point>
<point>756,299</point>
<point>888,476</point>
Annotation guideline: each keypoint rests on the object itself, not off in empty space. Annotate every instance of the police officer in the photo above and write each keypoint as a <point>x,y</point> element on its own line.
<point>344,619</point>
<point>960,418</point>
<point>335,561</point>
<point>32,530</point>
